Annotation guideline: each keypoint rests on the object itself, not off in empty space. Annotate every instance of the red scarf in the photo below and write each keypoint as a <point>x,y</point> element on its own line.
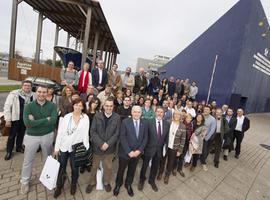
<point>83,88</point>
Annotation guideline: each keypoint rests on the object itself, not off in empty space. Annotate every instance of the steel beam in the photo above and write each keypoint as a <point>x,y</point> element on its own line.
<point>68,39</point>
<point>95,47</point>
<point>39,35</point>
<point>13,28</point>
<point>109,60</point>
<point>86,35</point>
<point>55,42</point>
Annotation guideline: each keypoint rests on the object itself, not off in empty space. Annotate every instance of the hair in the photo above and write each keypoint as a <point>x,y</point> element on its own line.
<point>77,101</point>
<point>42,86</point>
<point>152,103</point>
<point>206,106</point>
<point>64,90</point>
<point>126,97</point>
<point>189,115</point>
<point>176,112</point>
<point>26,81</point>
<point>93,101</point>
<point>134,107</point>
<point>160,108</point>
<point>109,99</point>
<point>195,121</point>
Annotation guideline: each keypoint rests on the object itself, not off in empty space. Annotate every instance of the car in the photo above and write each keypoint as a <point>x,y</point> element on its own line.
<point>36,81</point>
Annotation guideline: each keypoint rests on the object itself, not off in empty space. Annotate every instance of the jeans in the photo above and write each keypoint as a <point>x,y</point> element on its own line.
<point>205,151</point>
<point>63,159</point>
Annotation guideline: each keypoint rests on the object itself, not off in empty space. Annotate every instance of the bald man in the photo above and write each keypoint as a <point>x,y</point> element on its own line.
<point>140,82</point>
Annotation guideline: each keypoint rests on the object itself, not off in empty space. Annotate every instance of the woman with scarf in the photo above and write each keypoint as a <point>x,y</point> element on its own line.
<point>85,79</point>
<point>13,114</point>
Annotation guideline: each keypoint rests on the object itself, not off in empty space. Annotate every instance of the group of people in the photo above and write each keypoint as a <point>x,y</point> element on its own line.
<point>122,116</point>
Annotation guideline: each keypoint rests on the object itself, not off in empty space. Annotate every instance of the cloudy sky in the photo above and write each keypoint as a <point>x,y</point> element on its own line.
<point>140,28</point>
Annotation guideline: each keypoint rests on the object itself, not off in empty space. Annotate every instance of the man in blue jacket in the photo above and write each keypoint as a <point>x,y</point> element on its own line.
<point>133,139</point>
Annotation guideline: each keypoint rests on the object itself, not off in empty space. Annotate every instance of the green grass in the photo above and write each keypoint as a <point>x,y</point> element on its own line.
<point>9,87</point>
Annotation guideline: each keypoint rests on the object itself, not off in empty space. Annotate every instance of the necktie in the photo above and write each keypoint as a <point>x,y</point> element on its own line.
<point>137,128</point>
<point>159,131</point>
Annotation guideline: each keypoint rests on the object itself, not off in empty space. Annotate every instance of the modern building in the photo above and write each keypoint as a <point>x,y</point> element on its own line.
<point>230,61</point>
<point>152,64</point>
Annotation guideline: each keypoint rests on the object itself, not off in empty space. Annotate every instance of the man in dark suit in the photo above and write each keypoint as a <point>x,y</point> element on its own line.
<point>242,125</point>
<point>99,76</point>
<point>158,131</point>
<point>229,136</point>
<point>133,138</point>
<point>140,82</point>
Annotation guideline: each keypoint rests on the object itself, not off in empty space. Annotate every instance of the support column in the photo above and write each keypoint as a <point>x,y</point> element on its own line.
<point>105,58</point>
<point>109,60</point>
<point>95,47</point>
<point>86,35</point>
<point>57,29</point>
<point>114,58</point>
<point>76,45</point>
<point>102,48</point>
<point>68,40</point>
<point>13,28</point>
<point>39,35</point>
<point>111,63</point>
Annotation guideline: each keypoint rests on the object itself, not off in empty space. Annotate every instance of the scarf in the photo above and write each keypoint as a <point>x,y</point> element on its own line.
<point>83,88</point>
<point>26,96</point>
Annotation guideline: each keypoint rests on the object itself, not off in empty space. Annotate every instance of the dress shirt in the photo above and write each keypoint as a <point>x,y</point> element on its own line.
<point>100,71</point>
<point>240,121</point>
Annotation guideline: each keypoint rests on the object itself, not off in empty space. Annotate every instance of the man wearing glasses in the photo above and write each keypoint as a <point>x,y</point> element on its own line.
<point>104,135</point>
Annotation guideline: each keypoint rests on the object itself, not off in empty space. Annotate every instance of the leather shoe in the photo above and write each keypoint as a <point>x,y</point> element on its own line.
<point>140,185</point>
<point>129,190</point>
<point>159,177</point>
<point>8,156</point>
<point>225,158</point>
<point>89,188</point>
<point>57,192</point>
<point>236,156</point>
<point>82,170</point>
<point>181,173</point>
<point>116,190</point>
<point>20,150</point>
<point>108,188</point>
<point>154,186</point>
<point>216,165</point>
<point>73,189</point>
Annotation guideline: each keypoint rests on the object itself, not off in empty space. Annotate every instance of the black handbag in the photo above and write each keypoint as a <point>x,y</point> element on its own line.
<point>82,156</point>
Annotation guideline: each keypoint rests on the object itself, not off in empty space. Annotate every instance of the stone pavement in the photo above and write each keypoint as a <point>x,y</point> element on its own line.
<point>6,81</point>
<point>246,178</point>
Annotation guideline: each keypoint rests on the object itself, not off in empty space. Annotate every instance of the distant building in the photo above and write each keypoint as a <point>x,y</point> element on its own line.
<point>152,64</point>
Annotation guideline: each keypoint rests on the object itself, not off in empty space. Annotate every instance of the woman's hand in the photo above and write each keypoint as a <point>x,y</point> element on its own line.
<point>56,154</point>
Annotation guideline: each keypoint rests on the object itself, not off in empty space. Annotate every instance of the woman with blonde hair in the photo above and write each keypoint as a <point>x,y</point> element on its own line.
<point>176,143</point>
<point>65,101</point>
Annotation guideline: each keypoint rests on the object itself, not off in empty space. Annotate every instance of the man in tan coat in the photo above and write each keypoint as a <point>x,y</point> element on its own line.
<point>128,80</point>
<point>114,79</point>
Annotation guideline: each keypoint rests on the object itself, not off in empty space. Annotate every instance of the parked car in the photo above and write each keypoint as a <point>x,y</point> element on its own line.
<point>36,81</point>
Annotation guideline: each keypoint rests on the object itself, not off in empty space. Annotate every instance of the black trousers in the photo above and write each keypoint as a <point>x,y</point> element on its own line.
<point>179,161</point>
<point>63,159</point>
<point>131,164</point>
<point>153,169</point>
<point>195,158</point>
<point>238,136</point>
<point>170,161</point>
<point>17,132</point>
<point>217,147</point>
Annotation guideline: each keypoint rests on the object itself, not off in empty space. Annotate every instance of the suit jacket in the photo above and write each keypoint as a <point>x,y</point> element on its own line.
<point>95,77</point>
<point>140,83</point>
<point>246,124</point>
<point>117,82</point>
<point>128,140</point>
<point>154,146</point>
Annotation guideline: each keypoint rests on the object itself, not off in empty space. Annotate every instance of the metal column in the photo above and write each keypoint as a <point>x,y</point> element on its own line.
<point>109,60</point>
<point>111,63</point>
<point>57,29</point>
<point>86,35</point>
<point>76,44</point>
<point>13,28</point>
<point>95,47</point>
<point>115,57</point>
<point>105,58</point>
<point>39,35</point>
<point>68,40</point>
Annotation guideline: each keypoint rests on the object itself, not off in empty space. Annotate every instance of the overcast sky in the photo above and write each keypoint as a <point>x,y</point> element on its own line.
<point>140,28</point>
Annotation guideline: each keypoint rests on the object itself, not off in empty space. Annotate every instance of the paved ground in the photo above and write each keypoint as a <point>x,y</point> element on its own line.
<point>246,178</point>
<point>6,81</point>
<point>3,96</point>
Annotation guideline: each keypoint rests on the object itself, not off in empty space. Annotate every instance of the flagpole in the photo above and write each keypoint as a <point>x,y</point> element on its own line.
<point>212,78</point>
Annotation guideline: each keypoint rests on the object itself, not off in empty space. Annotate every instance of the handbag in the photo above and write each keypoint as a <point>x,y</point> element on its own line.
<point>82,156</point>
<point>49,173</point>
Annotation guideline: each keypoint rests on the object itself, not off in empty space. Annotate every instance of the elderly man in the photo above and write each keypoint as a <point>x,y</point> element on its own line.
<point>104,95</point>
<point>140,82</point>
<point>99,76</point>
<point>114,79</point>
<point>133,138</point>
<point>128,80</point>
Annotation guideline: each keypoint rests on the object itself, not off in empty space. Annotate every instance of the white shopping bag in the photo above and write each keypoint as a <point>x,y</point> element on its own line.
<point>99,185</point>
<point>49,173</point>
<point>187,157</point>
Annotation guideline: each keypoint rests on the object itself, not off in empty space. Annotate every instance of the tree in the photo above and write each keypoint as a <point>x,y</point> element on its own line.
<point>48,62</point>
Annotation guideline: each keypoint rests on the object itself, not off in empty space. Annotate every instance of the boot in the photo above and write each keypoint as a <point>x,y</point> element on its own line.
<point>57,192</point>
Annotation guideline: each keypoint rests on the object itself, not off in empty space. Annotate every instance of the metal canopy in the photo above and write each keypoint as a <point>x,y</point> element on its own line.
<point>70,15</point>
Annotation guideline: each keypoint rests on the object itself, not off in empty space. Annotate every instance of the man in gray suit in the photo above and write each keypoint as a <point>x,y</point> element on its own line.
<point>158,131</point>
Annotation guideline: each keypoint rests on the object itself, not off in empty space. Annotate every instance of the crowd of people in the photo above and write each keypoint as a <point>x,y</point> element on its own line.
<point>122,116</point>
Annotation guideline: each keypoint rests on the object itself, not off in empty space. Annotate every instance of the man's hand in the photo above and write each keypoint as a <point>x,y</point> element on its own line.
<point>56,154</point>
<point>142,88</point>
<point>178,154</point>
<point>48,118</point>
<point>131,154</point>
<point>8,124</point>
<point>137,153</point>
<point>104,147</point>
<point>31,117</point>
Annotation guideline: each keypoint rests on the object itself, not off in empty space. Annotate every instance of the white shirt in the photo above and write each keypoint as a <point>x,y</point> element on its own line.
<point>240,121</point>
<point>100,75</point>
<point>64,141</point>
<point>173,129</point>
<point>191,111</point>
<point>84,75</point>
<point>161,125</point>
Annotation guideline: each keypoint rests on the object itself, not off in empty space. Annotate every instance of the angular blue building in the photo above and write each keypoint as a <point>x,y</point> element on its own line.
<point>241,40</point>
